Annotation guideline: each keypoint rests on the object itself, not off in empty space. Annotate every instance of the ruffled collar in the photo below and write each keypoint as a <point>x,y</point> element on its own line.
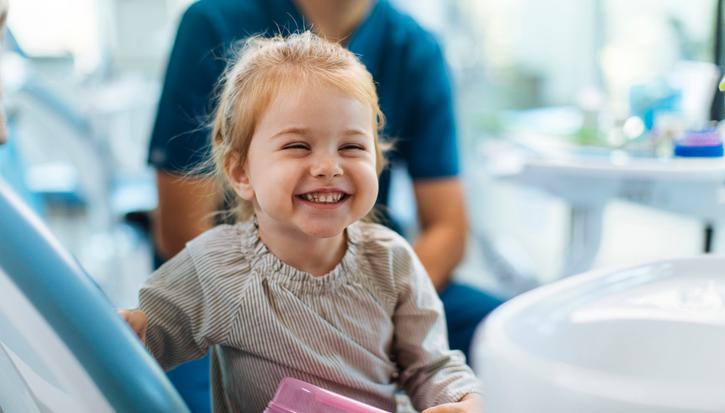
<point>269,266</point>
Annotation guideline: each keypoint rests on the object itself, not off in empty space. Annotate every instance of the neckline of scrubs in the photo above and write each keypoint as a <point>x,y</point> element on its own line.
<point>363,40</point>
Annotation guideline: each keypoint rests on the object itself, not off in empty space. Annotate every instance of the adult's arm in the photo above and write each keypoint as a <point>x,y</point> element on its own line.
<point>431,153</point>
<point>442,215</point>
<point>184,211</point>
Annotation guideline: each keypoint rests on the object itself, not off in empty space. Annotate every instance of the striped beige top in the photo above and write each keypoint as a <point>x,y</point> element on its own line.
<point>370,325</point>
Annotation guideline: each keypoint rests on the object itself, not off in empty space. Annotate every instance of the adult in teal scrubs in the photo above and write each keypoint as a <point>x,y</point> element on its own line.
<point>415,94</point>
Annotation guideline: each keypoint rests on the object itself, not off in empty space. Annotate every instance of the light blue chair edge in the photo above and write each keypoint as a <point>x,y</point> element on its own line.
<point>79,312</point>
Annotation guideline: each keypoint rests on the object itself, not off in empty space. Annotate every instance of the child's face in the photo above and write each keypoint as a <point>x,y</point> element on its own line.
<point>311,162</point>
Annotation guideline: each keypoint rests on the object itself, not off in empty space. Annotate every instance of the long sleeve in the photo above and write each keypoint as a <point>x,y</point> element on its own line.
<point>193,301</point>
<point>172,299</point>
<point>431,373</point>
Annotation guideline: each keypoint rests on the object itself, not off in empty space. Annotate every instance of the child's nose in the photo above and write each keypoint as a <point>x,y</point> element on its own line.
<point>326,166</point>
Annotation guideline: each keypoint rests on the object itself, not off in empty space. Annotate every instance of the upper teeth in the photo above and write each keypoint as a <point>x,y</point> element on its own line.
<point>323,197</point>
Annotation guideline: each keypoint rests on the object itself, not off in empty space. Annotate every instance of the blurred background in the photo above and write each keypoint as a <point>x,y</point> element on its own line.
<point>613,79</point>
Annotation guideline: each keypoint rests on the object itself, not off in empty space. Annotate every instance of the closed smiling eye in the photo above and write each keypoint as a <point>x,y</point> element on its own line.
<point>296,145</point>
<point>352,147</point>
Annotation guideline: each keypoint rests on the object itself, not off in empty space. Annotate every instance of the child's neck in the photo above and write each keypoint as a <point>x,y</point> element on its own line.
<point>317,256</point>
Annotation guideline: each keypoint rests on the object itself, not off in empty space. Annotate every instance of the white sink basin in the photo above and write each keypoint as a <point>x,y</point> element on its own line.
<point>644,339</point>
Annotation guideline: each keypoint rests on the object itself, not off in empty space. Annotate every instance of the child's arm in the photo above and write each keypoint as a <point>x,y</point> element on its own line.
<point>432,374</point>
<point>174,301</point>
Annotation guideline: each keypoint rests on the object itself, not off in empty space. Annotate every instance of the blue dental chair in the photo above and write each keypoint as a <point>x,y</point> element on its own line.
<point>63,348</point>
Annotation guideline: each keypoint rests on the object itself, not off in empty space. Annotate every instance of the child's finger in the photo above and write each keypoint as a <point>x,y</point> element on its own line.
<point>126,316</point>
<point>465,406</point>
<point>136,320</point>
<point>442,408</point>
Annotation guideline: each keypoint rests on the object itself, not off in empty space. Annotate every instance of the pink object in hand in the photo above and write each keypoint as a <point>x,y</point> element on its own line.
<point>296,396</point>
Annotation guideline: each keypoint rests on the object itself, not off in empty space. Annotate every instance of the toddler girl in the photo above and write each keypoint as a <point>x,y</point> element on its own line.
<point>300,286</point>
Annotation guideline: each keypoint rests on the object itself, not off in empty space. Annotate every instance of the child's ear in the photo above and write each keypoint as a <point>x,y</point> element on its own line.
<point>236,171</point>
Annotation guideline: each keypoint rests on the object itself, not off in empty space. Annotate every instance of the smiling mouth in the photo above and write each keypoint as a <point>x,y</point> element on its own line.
<point>324,197</point>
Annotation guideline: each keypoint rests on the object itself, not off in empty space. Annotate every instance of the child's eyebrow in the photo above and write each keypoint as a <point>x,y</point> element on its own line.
<point>356,132</point>
<point>306,132</point>
<point>292,131</point>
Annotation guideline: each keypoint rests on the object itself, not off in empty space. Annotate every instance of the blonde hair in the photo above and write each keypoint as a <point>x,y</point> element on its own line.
<point>263,67</point>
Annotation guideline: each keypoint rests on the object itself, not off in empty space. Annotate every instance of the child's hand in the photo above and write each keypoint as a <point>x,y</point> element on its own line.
<point>472,403</point>
<point>137,320</point>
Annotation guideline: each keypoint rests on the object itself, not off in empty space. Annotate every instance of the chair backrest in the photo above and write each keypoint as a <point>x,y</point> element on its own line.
<point>62,345</point>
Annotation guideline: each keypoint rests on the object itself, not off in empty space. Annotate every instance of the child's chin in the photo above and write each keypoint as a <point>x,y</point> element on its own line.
<point>324,230</point>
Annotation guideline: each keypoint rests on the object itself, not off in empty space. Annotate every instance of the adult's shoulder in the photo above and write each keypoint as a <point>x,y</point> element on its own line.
<point>238,19</point>
<point>229,9</point>
<point>407,33</point>
<point>233,19</point>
